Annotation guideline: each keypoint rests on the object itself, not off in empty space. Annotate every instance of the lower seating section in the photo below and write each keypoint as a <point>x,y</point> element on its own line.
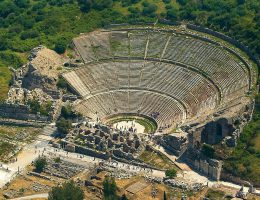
<point>165,110</point>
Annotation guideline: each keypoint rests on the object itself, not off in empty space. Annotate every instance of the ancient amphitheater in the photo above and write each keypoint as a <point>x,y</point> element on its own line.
<point>194,86</point>
<point>168,75</point>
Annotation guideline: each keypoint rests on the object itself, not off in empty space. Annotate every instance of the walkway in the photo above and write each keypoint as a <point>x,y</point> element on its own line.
<point>35,196</point>
<point>29,153</point>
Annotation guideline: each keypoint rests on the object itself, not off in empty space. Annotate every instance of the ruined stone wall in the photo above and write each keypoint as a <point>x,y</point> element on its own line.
<point>174,143</point>
<point>83,150</point>
<point>222,125</point>
<point>209,167</point>
<point>20,112</point>
<point>230,178</point>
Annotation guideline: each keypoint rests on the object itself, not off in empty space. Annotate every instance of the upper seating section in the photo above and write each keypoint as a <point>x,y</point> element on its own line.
<point>211,60</point>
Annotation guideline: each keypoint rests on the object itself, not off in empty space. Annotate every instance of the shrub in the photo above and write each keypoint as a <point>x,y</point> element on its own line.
<point>68,191</point>
<point>29,34</point>
<point>60,47</point>
<point>62,83</point>
<point>171,173</point>
<point>40,164</point>
<point>34,106</point>
<point>57,160</point>
<point>109,188</point>
<point>64,126</point>
<point>68,113</point>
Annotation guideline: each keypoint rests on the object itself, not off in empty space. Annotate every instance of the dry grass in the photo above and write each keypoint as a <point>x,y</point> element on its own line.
<point>157,160</point>
<point>24,182</point>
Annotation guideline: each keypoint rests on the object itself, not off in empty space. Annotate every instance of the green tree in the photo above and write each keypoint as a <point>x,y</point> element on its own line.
<point>40,164</point>
<point>85,5</point>
<point>68,191</point>
<point>60,47</point>
<point>150,10</point>
<point>62,83</point>
<point>68,113</point>
<point>164,196</point>
<point>64,126</point>
<point>109,188</point>
<point>171,173</point>
<point>34,106</point>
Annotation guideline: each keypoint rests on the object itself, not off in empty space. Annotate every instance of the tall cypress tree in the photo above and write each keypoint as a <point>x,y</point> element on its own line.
<point>164,196</point>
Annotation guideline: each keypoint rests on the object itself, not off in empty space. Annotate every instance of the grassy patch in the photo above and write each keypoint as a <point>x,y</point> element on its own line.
<point>5,149</point>
<point>13,133</point>
<point>157,160</point>
<point>5,78</point>
<point>215,194</point>
<point>13,137</point>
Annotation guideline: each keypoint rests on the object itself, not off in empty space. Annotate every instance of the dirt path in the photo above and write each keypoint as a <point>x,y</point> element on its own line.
<point>35,196</point>
<point>29,153</point>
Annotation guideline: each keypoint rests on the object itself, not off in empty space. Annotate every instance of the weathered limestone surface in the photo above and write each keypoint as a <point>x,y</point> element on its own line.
<point>43,70</point>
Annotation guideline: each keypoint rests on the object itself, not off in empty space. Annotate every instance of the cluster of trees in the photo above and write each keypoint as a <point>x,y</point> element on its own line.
<point>36,107</point>
<point>40,164</point>
<point>26,20</point>
<point>239,19</point>
<point>68,113</point>
<point>245,158</point>
<point>171,173</point>
<point>110,190</point>
<point>11,59</point>
<point>87,5</point>
<point>149,9</point>
<point>67,191</point>
<point>63,126</point>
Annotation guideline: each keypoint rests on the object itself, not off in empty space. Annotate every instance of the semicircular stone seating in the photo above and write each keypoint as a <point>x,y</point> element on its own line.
<point>168,76</point>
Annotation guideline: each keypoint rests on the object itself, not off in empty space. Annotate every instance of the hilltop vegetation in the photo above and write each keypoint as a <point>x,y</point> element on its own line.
<point>244,160</point>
